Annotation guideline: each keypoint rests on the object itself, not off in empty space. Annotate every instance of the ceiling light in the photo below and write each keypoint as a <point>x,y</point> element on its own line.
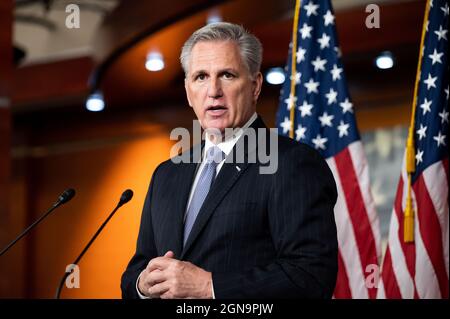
<point>95,102</point>
<point>275,76</point>
<point>154,62</point>
<point>385,60</point>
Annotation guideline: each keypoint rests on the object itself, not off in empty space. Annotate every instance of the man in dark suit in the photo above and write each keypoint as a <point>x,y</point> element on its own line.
<point>221,228</point>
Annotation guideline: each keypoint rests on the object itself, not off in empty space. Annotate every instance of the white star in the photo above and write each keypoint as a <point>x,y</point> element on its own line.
<point>430,81</point>
<point>325,119</point>
<point>431,3</point>
<point>324,41</point>
<point>426,27</point>
<point>297,77</point>
<point>329,18</point>
<point>306,31</point>
<point>319,64</point>
<point>290,101</point>
<point>300,132</point>
<point>286,125</point>
<point>319,142</point>
<point>311,8</point>
<point>426,106</point>
<point>419,157</point>
<point>441,33</point>
<point>305,109</point>
<point>422,132</point>
<point>435,57</point>
<point>311,86</point>
<point>445,9</point>
<point>331,96</point>
<point>440,139</point>
<point>300,55</point>
<point>336,72</point>
<point>444,116</point>
<point>343,129</point>
<point>347,106</point>
<point>446,92</point>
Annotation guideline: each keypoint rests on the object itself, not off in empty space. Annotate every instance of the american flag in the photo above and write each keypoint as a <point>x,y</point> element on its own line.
<point>420,269</point>
<point>324,118</point>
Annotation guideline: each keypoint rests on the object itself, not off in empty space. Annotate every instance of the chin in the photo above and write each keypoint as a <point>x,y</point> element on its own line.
<point>219,124</point>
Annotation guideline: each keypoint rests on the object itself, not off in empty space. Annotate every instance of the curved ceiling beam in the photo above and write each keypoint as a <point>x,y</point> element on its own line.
<point>133,21</point>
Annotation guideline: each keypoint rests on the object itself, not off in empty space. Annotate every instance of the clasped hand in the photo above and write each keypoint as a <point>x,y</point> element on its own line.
<point>169,278</point>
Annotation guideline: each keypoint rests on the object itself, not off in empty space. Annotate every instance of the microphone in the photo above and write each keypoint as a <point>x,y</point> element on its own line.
<point>67,195</point>
<point>124,198</point>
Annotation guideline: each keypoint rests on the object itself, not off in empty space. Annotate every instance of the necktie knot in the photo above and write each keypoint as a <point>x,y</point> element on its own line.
<point>214,155</point>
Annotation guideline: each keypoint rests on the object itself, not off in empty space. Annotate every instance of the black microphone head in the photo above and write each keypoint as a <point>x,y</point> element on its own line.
<point>66,196</point>
<point>126,196</point>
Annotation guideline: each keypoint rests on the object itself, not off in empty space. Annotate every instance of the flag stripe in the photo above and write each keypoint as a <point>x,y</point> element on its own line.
<point>347,243</point>
<point>430,230</point>
<point>389,288</point>
<point>435,179</point>
<point>400,271</point>
<point>365,240</point>
<point>342,289</point>
<point>425,279</point>
<point>362,171</point>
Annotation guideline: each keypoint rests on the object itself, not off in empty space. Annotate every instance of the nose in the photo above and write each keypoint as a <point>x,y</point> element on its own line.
<point>215,89</point>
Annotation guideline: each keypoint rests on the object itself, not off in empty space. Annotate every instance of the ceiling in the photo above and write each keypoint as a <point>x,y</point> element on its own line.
<point>109,49</point>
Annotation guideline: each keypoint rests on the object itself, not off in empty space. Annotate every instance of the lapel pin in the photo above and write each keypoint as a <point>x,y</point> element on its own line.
<point>238,168</point>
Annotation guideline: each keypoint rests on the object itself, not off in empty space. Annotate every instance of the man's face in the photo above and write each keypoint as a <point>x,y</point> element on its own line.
<point>219,87</point>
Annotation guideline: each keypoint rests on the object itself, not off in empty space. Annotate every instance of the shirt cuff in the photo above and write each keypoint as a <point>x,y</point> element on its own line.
<point>141,296</point>
<point>212,290</point>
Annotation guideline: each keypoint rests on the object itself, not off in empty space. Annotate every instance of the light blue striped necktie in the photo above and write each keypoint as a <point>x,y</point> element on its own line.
<point>214,156</point>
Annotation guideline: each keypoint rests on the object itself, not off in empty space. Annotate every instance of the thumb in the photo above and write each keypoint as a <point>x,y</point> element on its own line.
<point>169,254</point>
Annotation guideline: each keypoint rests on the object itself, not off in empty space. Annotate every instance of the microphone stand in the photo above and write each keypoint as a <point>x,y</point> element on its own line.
<point>122,201</point>
<point>65,197</point>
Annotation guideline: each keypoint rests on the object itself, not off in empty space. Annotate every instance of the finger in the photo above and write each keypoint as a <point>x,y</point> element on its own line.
<point>169,254</point>
<point>160,263</point>
<point>157,290</point>
<point>155,277</point>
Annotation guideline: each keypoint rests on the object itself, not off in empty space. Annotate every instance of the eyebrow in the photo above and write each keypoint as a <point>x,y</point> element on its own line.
<point>229,70</point>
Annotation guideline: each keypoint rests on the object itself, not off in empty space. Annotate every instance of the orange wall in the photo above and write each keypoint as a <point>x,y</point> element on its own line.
<point>100,159</point>
<point>99,176</point>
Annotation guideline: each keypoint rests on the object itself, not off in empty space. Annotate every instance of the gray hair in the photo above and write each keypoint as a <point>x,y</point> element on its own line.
<point>249,46</point>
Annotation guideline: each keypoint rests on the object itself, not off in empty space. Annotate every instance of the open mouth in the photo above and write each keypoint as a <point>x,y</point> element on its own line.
<point>217,110</point>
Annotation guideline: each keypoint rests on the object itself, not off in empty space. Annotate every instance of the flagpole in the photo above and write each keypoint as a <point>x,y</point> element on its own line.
<point>408,222</point>
<point>293,66</point>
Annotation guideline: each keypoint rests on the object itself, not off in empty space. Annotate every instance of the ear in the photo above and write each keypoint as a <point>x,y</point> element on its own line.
<point>187,91</point>
<point>257,86</point>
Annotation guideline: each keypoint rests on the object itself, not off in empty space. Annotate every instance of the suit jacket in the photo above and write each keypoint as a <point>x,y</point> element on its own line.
<point>261,235</point>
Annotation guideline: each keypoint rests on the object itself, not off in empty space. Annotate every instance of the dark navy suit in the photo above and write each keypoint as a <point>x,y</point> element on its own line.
<point>261,235</point>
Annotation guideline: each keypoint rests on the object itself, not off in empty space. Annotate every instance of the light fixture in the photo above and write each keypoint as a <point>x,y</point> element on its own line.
<point>275,76</point>
<point>154,62</point>
<point>95,102</point>
<point>385,60</point>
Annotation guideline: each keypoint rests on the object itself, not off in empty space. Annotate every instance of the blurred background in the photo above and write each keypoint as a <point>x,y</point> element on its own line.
<point>92,108</point>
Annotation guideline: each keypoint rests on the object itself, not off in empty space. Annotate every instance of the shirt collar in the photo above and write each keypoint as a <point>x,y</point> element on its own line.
<point>227,145</point>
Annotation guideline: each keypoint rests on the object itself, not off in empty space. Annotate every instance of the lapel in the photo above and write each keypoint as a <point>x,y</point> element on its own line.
<point>183,183</point>
<point>227,177</point>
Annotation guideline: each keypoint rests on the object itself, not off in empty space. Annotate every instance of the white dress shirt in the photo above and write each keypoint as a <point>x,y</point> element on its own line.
<point>225,146</point>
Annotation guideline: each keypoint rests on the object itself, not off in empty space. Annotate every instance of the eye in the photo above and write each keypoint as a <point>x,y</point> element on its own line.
<point>201,77</point>
<point>228,75</point>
